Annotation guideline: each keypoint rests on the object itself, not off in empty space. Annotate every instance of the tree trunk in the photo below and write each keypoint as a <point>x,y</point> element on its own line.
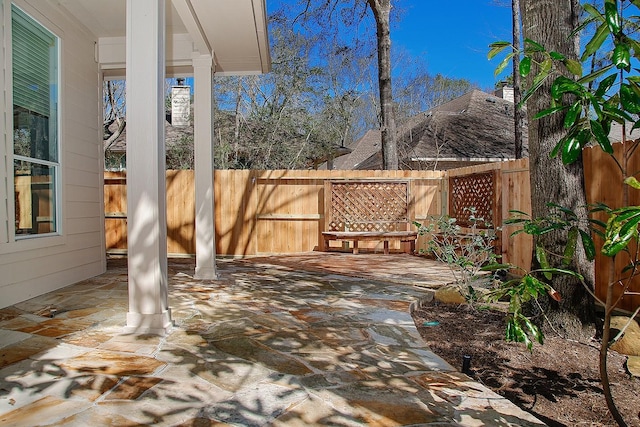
<point>548,22</point>
<point>519,113</point>
<point>381,11</point>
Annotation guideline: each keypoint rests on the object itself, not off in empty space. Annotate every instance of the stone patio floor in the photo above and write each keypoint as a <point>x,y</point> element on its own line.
<point>303,340</point>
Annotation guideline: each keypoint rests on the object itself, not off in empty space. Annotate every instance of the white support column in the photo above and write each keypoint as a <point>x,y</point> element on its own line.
<point>146,185</point>
<point>203,158</point>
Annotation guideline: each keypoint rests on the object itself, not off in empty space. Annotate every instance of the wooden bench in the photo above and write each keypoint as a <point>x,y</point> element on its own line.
<point>368,210</point>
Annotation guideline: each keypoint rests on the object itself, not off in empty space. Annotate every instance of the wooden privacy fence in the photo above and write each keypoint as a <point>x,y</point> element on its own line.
<point>281,212</point>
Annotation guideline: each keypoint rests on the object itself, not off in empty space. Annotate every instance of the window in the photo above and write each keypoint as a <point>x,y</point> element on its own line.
<point>36,166</point>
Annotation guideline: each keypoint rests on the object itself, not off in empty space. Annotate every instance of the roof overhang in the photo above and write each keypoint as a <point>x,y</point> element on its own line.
<point>234,32</point>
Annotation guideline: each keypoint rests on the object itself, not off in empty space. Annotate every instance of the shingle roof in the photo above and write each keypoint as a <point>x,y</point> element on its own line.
<point>476,125</point>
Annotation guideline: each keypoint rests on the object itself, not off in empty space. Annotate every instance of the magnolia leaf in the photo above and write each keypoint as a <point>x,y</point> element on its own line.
<point>595,13</point>
<point>571,149</point>
<point>562,85</point>
<point>596,41</point>
<point>533,46</point>
<point>549,111</point>
<point>622,56</point>
<point>629,99</point>
<point>570,248</point>
<point>588,245</point>
<point>573,113</point>
<point>503,64</point>
<point>606,84</point>
<point>573,66</point>
<point>557,56</point>
<point>525,66</point>
<point>496,48</point>
<point>541,256</point>
<point>633,182</point>
<point>595,75</point>
<point>612,17</point>
<point>601,136</point>
<point>621,228</point>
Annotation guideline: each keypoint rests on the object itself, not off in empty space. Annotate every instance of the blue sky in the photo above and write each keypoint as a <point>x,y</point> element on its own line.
<point>452,37</point>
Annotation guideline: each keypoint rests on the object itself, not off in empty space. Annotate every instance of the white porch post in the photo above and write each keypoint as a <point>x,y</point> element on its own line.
<point>203,154</point>
<point>146,185</point>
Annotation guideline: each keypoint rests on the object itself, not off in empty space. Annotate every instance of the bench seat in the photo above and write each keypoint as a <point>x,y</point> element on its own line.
<point>407,237</point>
<point>369,210</point>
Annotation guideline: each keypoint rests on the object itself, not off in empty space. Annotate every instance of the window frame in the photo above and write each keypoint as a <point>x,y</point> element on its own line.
<point>12,157</point>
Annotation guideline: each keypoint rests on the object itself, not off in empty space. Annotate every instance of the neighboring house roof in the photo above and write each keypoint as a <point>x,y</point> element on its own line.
<point>172,135</point>
<point>474,128</point>
<point>361,150</point>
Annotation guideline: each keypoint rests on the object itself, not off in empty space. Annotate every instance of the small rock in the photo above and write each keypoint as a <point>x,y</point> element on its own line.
<point>629,344</point>
<point>450,294</point>
<point>633,366</point>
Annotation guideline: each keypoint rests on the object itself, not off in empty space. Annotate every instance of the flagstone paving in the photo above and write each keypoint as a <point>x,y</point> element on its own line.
<point>311,339</point>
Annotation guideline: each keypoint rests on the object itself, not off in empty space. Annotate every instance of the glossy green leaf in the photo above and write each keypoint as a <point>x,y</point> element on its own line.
<point>574,67</point>
<point>533,46</point>
<point>595,75</point>
<point>572,115</point>
<point>541,256</point>
<point>546,65</point>
<point>525,66</point>
<point>606,84</point>
<point>629,99</point>
<point>571,150</point>
<point>533,330</point>
<point>595,13</point>
<point>568,212</point>
<point>503,64</point>
<point>588,245</point>
<point>557,56</point>
<point>496,48</point>
<point>537,83</point>
<point>562,85</point>
<point>621,229</point>
<point>496,267</point>
<point>622,56</point>
<point>550,111</point>
<point>612,17</point>
<point>558,147</point>
<point>601,136</point>
<point>601,34</point>
<point>570,248</point>
<point>616,114</point>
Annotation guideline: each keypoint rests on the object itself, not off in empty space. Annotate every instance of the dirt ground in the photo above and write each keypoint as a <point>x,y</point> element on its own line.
<point>558,382</point>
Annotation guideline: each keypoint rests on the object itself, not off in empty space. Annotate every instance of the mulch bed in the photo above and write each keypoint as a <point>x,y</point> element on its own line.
<point>559,382</point>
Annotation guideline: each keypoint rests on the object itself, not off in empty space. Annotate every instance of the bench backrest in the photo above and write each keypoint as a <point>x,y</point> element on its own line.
<point>370,205</point>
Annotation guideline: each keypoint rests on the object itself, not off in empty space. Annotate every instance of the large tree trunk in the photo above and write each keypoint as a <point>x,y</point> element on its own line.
<point>549,22</point>
<point>519,113</point>
<point>381,11</point>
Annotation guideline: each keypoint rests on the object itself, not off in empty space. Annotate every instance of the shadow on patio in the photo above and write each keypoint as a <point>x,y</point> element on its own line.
<point>310,339</point>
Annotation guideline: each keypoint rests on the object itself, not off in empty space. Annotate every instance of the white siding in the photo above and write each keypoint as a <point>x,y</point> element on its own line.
<point>42,264</point>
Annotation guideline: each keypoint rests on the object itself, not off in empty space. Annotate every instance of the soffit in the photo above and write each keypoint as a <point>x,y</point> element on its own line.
<point>235,30</point>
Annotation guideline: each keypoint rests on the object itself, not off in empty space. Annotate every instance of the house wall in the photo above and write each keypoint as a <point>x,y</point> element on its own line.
<point>36,265</point>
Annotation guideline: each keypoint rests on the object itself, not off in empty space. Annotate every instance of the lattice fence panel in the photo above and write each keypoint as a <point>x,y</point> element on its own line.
<point>472,191</point>
<point>368,206</point>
